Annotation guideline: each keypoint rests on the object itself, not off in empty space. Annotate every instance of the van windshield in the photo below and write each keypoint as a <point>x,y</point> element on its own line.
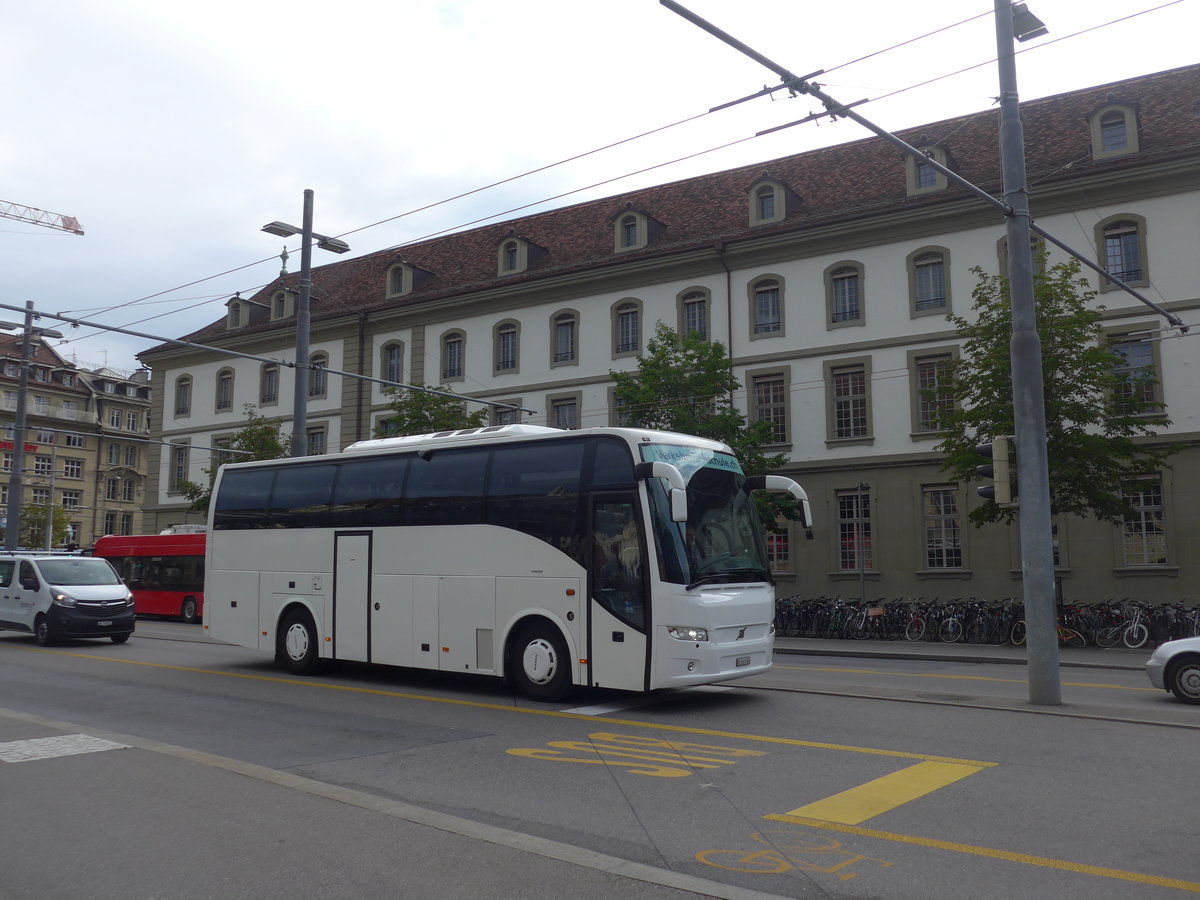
<point>77,570</point>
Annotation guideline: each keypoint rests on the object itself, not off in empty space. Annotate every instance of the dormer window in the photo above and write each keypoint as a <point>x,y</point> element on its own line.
<point>1114,130</point>
<point>399,280</point>
<point>633,230</point>
<point>281,305</point>
<point>770,201</point>
<point>514,256</point>
<point>237,313</point>
<point>921,177</point>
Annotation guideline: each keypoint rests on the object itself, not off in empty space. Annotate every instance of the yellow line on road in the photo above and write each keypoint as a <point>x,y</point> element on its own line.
<point>866,801</point>
<point>552,713</point>
<point>1044,862</point>
<point>889,674</point>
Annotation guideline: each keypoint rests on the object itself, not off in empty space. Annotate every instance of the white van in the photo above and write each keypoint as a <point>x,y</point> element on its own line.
<point>58,597</point>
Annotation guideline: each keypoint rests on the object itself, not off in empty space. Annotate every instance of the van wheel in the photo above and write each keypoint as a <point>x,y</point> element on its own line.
<point>118,638</point>
<point>188,610</point>
<point>41,632</point>
<point>297,645</point>
<point>540,668</point>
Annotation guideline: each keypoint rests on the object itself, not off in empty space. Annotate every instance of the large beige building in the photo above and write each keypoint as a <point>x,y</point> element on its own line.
<point>85,448</point>
<point>828,275</point>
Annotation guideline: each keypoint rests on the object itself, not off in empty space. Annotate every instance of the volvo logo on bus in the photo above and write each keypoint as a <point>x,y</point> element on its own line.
<point>741,634</point>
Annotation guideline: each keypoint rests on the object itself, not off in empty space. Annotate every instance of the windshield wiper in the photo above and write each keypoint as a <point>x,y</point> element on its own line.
<point>729,575</point>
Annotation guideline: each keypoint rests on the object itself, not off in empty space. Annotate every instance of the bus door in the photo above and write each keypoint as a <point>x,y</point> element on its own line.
<point>618,609</point>
<point>352,595</point>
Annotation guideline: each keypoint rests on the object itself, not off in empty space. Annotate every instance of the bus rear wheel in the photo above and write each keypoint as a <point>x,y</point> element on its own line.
<point>297,646</point>
<point>187,611</point>
<point>540,667</point>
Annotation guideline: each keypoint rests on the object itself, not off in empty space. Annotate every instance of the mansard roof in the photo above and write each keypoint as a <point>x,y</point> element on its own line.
<point>841,184</point>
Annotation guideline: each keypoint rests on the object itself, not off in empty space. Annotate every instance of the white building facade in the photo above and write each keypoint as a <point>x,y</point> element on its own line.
<point>828,276</point>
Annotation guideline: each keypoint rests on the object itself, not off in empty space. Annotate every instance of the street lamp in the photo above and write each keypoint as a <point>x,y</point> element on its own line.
<point>283,229</point>
<point>12,522</point>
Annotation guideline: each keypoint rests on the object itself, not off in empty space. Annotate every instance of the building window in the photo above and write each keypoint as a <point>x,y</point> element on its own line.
<point>1144,533</point>
<point>391,362</point>
<point>505,348</point>
<point>564,413</point>
<point>112,488</point>
<point>920,176</point>
<point>565,327</point>
<point>768,202</point>
<point>6,462</point>
<point>1124,243</point>
<point>131,421</point>
<point>41,496</point>
<point>183,396</point>
<point>854,530</point>
<point>114,454</point>
<point>41,405</point>
<point>626,328</point>
<point>268,390</point>
<point>43,465</point>
<point>179,466</point>
<point>314,441</point>
<point>513,256</point>
<point>128,489</point>
<point>1114,130</point>
<point>126,523</point>
<point>849,400</point>
<point>72,499</point>
<point>224,390</point>
<point>110,523</point>
<point>452,356</point>
<point>940,524</point>
<point>770,404</point>
<point>779,549</point>
<point>693,313</point>
<point>318,379</point>
<point>72,468</point>
<point>131,453</point>
<point>114,418</point>
<point>281,305</point>
<point>74,440</point>
<point>399,280</point>
<point>767,309</point>
<point>933,381</point>
<point>234,316</point>
<point>1136,375</point>
<point>843,294</point>
<point>928,273</point>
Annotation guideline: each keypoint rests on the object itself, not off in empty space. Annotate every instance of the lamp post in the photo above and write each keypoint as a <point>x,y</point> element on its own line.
<point>12,522</point>
<point>303,318</point>
<point>1025,352</point>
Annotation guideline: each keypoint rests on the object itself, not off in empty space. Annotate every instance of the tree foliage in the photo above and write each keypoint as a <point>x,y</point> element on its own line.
<point>685,384</point>
<point>260,438</point>
<point>418,412</point>
<point>33,525</point>
<point>1097,406</point>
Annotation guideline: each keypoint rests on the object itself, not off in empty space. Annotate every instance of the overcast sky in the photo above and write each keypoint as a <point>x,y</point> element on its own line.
<point>174,132</point>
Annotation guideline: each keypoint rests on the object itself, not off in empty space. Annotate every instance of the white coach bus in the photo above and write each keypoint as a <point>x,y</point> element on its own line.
<point>611,557</point>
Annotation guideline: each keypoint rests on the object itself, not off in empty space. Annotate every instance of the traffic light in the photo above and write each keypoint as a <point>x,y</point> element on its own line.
<point>1000,490</point>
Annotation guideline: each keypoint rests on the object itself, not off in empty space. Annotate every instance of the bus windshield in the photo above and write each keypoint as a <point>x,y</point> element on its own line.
<point>721,542</point>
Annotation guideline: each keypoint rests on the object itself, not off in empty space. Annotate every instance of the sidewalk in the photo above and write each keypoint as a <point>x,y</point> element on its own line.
<point>1087,657</point>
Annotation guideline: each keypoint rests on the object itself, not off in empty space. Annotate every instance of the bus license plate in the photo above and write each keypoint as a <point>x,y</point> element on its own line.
<point>109,622</point>
<point>742,661</point>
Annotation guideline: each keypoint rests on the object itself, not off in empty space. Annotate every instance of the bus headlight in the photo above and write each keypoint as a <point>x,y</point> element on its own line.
<point>687,633</point>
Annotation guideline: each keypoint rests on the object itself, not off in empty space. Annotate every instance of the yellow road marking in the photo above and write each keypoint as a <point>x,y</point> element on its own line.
<point>550,713</point>
<point>846,671</point>
<point>1044,862</point>
<point>868,800</point>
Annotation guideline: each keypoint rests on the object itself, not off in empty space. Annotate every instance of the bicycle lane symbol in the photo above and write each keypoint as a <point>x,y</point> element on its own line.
<point>788,850</point>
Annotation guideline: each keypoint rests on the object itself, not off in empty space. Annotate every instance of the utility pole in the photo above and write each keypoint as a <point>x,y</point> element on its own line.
<point>1029,403</point>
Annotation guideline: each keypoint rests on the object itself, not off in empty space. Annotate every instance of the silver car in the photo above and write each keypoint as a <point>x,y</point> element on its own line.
<point>1175,667</point>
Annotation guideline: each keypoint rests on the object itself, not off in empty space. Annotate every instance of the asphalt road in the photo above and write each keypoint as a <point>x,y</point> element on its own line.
<point>829,777</point>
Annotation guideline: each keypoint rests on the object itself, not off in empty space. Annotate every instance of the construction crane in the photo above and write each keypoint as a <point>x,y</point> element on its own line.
<point>40,217</point>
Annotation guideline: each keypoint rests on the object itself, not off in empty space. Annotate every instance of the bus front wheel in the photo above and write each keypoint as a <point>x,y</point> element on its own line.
<point>540,667</point>
<point>188,611</point>
<point>297,643</point>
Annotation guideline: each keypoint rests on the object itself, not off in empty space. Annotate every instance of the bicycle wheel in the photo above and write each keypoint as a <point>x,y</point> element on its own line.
<point>1017,635</point>
<point>1108,637</point>
<point>976,631</point>
<point>1135,635</point>
<point>915,630</point>
<point>951,630</point>
<point>1069,637</point>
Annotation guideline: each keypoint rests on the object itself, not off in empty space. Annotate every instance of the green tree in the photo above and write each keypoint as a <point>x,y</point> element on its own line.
<point>33,525</point>
<point>418,412</point>
<point>1097,404</point>
<point>685,384</point>
<point>259,438</point>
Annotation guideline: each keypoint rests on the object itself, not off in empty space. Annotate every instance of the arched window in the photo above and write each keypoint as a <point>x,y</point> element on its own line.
<point>268,392</point>
<point>452,356</point>
<point>766,307</point>
<point>627,328</point>
<point>506,349</point>
<point>565,338</point>
<point>183,395</point>
<point>318,379</point>
<point>391,362</point>
<point>224,390</point>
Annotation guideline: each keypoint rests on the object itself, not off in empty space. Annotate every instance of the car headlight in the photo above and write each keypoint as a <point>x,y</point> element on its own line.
<point>64,600</point>
<point>129,600</point>
<point>687,633</point>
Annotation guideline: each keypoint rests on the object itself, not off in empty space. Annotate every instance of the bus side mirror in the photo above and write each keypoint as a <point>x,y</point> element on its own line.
<point>679,505</point>
<point>678,491</point>
<point>783,484</point>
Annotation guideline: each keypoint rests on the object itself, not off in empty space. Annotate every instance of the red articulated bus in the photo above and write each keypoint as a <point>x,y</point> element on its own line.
<point>165,571</point>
